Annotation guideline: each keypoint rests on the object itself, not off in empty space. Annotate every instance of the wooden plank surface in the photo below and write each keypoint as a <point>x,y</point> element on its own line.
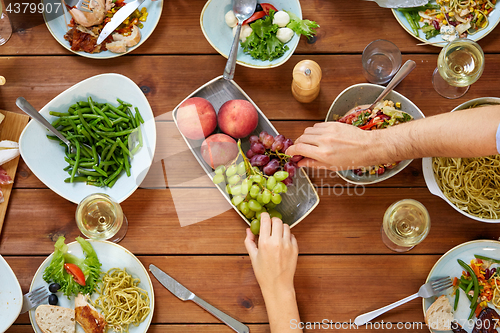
<point>346,27</point>
<point>339,225</point>
<point>10,129</point>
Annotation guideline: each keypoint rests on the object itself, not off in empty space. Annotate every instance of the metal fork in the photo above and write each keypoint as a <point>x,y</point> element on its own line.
<point>83,5</point>
<point>429,289</point>
<point>34,298</point>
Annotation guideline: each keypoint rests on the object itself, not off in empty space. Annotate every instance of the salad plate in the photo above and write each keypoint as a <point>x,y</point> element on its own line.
<point>46,157</point>
<point>493,17</point>
<point>58,27</point>
<point>11,296</point>
<point>428,171</point>
<point>110,255</point>
<point>362,94</point>
<point>220,35</point>
<point>447,265</point>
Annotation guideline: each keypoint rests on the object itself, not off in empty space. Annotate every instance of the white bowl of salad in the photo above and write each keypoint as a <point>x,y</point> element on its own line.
<point>279,22</point>
<point>393,110</point>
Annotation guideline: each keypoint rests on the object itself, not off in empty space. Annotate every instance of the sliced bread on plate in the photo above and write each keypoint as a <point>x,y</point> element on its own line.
<point>55,319</point>
<point>439,315</point>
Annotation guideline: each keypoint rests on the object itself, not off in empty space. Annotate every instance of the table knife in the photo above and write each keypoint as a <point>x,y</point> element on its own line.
<point>185,295</point>
<point>400,3</point>
<point>117,19</point>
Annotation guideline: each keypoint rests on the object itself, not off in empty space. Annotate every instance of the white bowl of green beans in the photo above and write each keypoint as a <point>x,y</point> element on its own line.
<point>109,120</point>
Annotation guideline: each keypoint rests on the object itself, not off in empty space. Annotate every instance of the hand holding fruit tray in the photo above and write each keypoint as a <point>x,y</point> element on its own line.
<point>254,172</point>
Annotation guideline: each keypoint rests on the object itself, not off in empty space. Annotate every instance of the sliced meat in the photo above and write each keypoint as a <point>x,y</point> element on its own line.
<point>4,178</point>
<point>88,317</point>
<point>117,47</point>
<point>131,40</point>
<point>81,41</point>
<point>86,19</point>
<point>486,321</point>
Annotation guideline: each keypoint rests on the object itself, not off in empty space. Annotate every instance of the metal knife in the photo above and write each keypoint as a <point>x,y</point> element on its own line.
<point>185,295</point>
<point>117,19</point>
<point>400,3</point>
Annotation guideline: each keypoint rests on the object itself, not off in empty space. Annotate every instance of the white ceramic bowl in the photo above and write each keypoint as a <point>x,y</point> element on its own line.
<point>430,179</point>
<point>367,93</point>
<point>11,296</point>
<point>220,35</point>
<point>46,157</point>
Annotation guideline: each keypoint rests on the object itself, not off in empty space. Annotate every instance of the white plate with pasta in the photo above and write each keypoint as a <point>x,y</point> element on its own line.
<point>110,255</point>
<point>447,265</point>
<point>441,173</point>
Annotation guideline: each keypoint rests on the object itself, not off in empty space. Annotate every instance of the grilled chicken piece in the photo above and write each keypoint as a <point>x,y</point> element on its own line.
<point>88,317</point>
<point>486,321</point>
<point>98,7</point>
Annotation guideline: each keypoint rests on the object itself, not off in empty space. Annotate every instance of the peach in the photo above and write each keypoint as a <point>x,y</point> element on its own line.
<point>196,118</point>
<point>219,149</point>
<point>237,118</point>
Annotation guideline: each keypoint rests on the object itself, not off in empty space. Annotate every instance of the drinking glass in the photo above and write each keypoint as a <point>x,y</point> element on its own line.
<point>5,26</point>
<point>460,64</point>
<point>381,59</point>
<point>406,223</point>
<point>99,217</point>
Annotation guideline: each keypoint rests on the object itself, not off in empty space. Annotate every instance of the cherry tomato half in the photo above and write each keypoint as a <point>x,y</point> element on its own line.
<point>266,7</point>
<point>255,17</point>
<point>76,273</point>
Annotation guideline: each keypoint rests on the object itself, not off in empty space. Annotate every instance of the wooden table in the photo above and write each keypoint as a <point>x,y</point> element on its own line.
<point>344,269</point>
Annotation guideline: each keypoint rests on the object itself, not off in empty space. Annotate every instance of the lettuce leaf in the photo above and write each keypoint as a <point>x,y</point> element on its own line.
<point>262,43</point>
<point>302,27</point>
<point>90,266</point>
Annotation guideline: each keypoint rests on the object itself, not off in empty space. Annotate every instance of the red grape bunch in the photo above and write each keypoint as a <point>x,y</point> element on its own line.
<point>268,154</point>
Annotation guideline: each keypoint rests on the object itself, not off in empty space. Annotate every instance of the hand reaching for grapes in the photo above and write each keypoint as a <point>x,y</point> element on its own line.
<point>274,261</point>
<point>336,146</point>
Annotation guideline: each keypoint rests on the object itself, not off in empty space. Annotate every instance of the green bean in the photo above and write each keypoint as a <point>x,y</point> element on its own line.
<point>106,119</point>
<point>138,114</point>
<point>52,137</point>
<point>75,180</point>
<point>457,296</point>
<point>125,163</point>
<point>123,103</point>
<point>77,159</point>
<point>88,172</point>
<point>58,114</point>
<point>114,175</point>
<point>115,110</point>
<point>124,149</point>
<point>474,280</point>
<point>82,103</point>
<point>496,261</point>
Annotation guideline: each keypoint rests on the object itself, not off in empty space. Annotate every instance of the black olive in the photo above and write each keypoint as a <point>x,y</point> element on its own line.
<point>258,8</point>
<point>53,299</point>
<point>54,287</point>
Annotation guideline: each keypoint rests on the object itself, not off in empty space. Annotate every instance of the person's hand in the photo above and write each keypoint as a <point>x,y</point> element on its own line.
<point>335,145</point>
<point>275,258</point>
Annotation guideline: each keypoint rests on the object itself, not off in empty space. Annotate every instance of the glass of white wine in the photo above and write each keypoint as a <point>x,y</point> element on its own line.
<point>5,26</point>
<point>99,217</point>
<point>460,64</point>
<point>406,223</point>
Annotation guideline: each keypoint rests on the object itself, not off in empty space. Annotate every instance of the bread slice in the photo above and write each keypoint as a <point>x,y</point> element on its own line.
<point>55,319</point>
<point>439,315</point>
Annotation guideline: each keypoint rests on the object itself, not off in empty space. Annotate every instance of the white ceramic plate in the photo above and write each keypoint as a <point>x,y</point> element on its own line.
<point>220,35</point>
<point>11,296</point>
<point>428,171</point>
<point>46,157</point>
<point>57,25</point>
<point>110,255</point>
<point>447,265</point>
<point>493,18</point>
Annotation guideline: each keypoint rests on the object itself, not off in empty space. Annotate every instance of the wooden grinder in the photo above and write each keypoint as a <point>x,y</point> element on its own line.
<point>306,79</point>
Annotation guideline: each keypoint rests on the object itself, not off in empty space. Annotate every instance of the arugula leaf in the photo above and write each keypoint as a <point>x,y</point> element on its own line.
<point>302,27</point>
<point>90,266</point>
<point>262,43</point>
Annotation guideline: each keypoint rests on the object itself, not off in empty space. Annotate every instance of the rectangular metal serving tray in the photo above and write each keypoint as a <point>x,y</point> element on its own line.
<point>301,198</point>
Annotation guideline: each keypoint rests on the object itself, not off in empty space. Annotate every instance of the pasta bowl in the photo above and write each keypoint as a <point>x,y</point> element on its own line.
<point>361,94</point>
<point>430,176</point>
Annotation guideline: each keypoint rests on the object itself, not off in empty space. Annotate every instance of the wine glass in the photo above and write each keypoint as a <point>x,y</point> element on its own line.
<point>406,223</point>
<point>459,65</point>
<point>99,217</point>
<point>5,26</point>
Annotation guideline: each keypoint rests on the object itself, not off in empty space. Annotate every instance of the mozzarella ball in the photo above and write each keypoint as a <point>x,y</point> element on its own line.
<point>281,18</point>
<point>244,33</point>
<point>231,20</point>
<point>284,35</point>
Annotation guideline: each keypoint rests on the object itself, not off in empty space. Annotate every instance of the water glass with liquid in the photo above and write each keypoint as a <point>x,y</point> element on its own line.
<point>381,60</point>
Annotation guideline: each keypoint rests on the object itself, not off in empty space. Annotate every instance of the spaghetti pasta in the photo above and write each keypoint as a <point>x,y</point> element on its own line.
<point>121,301</point>
<point>471,184</point>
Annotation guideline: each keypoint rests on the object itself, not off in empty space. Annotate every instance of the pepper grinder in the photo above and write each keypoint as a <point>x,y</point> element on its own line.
<point>306,78</point>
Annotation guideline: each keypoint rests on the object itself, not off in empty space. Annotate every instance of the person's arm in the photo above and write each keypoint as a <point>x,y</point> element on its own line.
<point>465,133</point>
<point>274,261</point>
